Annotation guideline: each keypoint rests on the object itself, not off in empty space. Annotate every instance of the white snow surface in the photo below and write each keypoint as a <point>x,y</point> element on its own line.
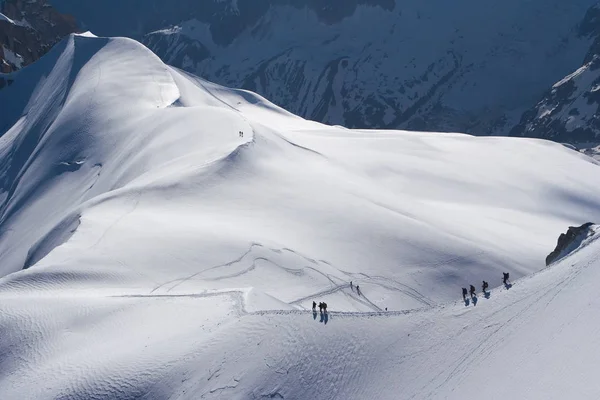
<point>168,257</point>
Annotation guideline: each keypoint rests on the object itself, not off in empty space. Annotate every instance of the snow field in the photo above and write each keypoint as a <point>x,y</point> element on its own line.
<point>147,250</point>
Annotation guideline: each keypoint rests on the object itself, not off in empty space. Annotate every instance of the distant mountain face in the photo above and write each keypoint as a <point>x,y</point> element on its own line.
<point>570,110</point>
<point>470,66</point>
<point>28,29</point>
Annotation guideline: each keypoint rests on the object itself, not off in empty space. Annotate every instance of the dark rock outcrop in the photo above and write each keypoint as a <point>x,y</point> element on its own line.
<point>30,30</point>
<point>573,236</point>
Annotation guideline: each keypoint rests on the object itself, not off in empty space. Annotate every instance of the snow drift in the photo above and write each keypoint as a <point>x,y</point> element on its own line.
<point>162,236</point>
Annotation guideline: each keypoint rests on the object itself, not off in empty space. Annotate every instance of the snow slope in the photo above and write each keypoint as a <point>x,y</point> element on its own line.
<point>538,340</point>
<point>165,256</point>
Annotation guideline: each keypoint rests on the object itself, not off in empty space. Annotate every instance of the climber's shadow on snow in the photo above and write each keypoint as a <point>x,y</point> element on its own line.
<point>508,285</point>
<point>475,299</point>
<point>487,294</point>
<point>324,318</point>
<point>467,302</point>
<point>314,315</point>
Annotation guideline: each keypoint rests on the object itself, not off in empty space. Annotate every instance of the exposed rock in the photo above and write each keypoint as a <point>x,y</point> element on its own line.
<point>28,30</point>
<point>446,66</point>
<point>569,241</point>
<point>570,111</point>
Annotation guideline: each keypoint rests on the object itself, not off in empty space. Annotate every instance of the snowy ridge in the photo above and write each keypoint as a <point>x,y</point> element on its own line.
<point>149,250</point>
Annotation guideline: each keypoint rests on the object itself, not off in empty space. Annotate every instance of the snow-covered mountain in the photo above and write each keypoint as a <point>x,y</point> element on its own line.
<point>28,30</point>
<point>164,237</point>
<point>570,110</point>
<point>468,66</point>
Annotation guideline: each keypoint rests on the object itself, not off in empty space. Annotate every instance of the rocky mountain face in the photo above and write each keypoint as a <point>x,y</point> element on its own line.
<point>570,241</point>
<point>386,65</point>
<point>29,29</point>
<point>469,66</point>
<point>570,111</point>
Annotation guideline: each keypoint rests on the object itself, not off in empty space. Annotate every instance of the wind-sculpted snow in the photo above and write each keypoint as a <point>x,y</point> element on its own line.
<point>164,237</point>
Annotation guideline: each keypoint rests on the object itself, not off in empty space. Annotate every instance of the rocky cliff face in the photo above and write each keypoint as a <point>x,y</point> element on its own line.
<point>570,111</point>
<point>570,241</point>
<point>28,29</point>
<point>387,65</point>
<point>465,65</point>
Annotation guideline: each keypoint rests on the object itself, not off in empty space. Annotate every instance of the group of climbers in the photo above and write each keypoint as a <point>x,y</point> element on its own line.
<point>322,307</point>
<point>471,292</point>
<point>484,286</point>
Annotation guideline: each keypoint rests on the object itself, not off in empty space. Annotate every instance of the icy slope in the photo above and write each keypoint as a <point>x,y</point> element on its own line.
<point>162,249</point>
